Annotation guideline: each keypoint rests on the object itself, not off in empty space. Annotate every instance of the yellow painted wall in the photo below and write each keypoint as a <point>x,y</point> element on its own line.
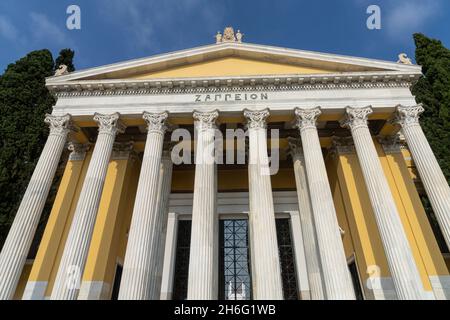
<point>109,239</point>
<point>411,233</point>
<point>418,230</point>
<point>447,261</point>
<point>355,216</point>
<point>22,281</point>
<point>352,201</point>
<point>54,229</point>
<point>115,210</point>
<point>128,206</point>
<point>66,227</point>
<point>284,180</point>
<point>354,213</point>
<point>410,164</point>
<point>347,238</point>
<point>47,259</point>
<point>232,180</point>
<point>231,66</point>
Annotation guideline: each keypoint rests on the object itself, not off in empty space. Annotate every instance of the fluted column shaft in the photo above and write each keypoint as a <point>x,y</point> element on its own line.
<point>76,249</point>
<point>169,256</point>
<point>203,259</point>
<point>163,211</point>
<point>307,222</point>
<point>15,249</point>
<point>405,274</point>
<point>431,175</point>
<point>139,269</point>
<point>266,272</point>
<point>336,276</point>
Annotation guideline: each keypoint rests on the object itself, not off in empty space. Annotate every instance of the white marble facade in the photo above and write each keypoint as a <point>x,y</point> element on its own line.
<point>318,246</point>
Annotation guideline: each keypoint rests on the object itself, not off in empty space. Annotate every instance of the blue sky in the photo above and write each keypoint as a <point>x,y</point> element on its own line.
<point>117,30</point>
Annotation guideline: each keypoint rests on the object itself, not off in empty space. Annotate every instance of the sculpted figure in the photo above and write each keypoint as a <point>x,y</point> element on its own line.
<point>403,58</point>
<point>62,69</point>
<point>218,37</point>
<point>228,35</point>
<point>239,36</point>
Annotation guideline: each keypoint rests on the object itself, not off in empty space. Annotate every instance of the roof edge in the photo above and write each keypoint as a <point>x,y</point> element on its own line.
<point>295,53</point>
<point>225,84</point>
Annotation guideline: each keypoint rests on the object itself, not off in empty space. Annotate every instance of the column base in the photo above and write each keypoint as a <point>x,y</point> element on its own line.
<point>441,287</point>
<point>166,296</point>
<point>35,290</point>
<point>383,289</point>
<point>304,295</point>
<point>94,290</point>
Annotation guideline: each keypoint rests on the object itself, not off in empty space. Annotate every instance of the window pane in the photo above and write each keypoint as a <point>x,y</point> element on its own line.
<point>355,279</point>
<point>116,285</point>
<point>287,261</point>
<point>234,275</point>
<point>182,260</point>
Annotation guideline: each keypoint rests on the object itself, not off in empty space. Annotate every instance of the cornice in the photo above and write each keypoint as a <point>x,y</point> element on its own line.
<point>337,81</point>
<point>201,53</point>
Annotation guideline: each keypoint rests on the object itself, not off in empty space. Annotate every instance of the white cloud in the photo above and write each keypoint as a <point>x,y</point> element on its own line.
<point>401,18</point>
<point>151,23</point>
<point>7,29</point>
<point>404,17</point>
<point>45,31</point>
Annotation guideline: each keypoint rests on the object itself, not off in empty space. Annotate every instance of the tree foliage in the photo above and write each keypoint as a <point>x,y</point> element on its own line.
<point>65,57</point>
<point>24,101</point>
<point>433,91</point>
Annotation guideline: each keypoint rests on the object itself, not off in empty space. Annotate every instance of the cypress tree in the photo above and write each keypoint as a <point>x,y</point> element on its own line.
<point>24,101</point>
<point>433,91</point>
<point>66,58</point>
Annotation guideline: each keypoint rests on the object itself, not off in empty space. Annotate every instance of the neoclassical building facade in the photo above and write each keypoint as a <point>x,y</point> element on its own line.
<point>319,199</point>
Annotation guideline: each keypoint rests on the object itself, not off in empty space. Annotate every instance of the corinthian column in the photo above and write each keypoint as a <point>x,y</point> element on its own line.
<point>336,276</point>
<point>20,236</point>
<point>307,222</point>
<point>139,269</point>
<point>431,175</point>
<point>71,267</point>
<point>266,273</point>
<point>165,184</point>
<point>203,260</point>
<point>401,262</point>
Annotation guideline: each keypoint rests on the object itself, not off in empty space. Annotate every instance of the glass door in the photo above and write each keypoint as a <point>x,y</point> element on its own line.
<point>234,260</point>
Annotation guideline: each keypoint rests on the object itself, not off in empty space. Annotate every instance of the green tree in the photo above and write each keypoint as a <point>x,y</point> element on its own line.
<point>433,91</point>
<point>65,57</point>
<point>24,101</point>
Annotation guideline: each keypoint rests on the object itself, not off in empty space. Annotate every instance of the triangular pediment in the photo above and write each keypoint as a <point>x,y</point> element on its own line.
<point>230,66</point>
<point>233,60</point>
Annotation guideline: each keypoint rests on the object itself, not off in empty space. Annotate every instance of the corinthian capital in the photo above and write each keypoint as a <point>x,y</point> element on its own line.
<point>342,145</point>
<point>390,144</point>
<point>356,117</point>
<point>122,150</point>
<point>408,115</point>
<point>109,123</point>
<point>256,119</point>
<point>307,118</point>
<point>295,147</point>
<point>78,150</point>
<point>205,120</point>
<point>156,122</point>
<point>59,124</point>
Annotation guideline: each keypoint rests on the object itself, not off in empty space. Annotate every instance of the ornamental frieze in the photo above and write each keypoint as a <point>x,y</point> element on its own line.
<point>218,97</point>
